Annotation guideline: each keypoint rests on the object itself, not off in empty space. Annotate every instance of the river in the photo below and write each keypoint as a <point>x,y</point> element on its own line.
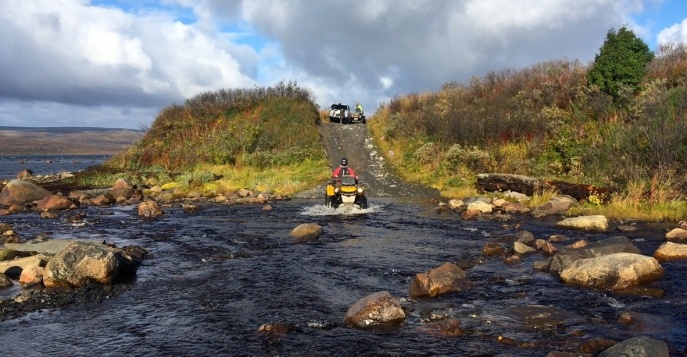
<point>216,275</point>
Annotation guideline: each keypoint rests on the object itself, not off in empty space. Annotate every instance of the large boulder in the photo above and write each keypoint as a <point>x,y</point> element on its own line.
<point>376,309</point>
<point>568,255</point>
<point>446,278</point>
<point>613,272</point>
<point>677,234</point>
<point>306,232</point>
<point>641,346</point>
<point>82,263</point>
<point>586,223</point>
<point>21,192</point>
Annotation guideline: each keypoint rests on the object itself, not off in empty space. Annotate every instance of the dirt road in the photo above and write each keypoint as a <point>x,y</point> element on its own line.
<point>353,141</point>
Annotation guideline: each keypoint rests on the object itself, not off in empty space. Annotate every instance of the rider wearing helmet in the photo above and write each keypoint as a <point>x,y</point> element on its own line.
<point>343,169</point>
<point>358,108</point>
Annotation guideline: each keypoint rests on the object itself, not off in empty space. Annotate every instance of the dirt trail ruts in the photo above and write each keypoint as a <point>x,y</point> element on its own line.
<point>353,141</point>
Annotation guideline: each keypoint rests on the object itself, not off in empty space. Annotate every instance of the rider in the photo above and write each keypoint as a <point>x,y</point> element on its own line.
<point>358,108</point>
<point>343,169</point>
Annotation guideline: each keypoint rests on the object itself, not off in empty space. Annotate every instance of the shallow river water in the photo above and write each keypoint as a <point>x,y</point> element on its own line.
<point>218,274</point>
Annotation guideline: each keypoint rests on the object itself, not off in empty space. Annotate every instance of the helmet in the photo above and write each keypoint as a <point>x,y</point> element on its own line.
<point>344,162</point>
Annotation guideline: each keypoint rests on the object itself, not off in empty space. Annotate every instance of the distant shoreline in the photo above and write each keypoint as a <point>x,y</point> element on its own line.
<point>54,141</point>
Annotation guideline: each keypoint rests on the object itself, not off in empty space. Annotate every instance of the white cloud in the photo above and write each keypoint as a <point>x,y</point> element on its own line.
<point>675,33</point>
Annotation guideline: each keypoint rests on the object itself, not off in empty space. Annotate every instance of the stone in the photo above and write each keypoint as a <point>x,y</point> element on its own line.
<point>613,272</point>
<point>101,200</point>
<point>55,202</point>
<point>595,345</point>
<point>525,237</point>
<point>514,208</point>
<point>640,346</point>
<point>376,309</point>
<point>556,205</point>
<point>677,234</point>
<point>444,279</point>
<point>24,174</point>
<point>521,249</point>
<point>21,192</point>
<point>5,282</point>
<point>512,260</point>
<point>471,214</point>
<point>480,206</point>
<point>669,251</point>
<point>80,264</point>
<point>306,232</point>
<point>492,249</point>
<point>568,255</point>
<point>150,209</point>
<point>32,275</point>
<point>49,215</point>
<point>586,223</point>
<point>455,204</point>
<point>23,263</point>
<point>122,183</point>
<point>50,247</point>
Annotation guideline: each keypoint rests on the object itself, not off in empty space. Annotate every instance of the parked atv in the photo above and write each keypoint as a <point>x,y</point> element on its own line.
<point>345,191</point>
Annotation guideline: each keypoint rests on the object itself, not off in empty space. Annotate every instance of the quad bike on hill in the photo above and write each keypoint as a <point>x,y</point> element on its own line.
<point>345,191</point>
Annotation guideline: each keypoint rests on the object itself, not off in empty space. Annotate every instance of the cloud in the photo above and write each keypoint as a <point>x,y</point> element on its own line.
<point>137,57</point>
<point>69,52</point>
<point>675,33</point>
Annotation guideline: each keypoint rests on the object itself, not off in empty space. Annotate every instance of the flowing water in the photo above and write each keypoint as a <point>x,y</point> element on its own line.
<point>216,275</point>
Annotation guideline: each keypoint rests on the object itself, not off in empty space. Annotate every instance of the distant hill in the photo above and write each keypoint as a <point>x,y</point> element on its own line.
<point>65,140</point>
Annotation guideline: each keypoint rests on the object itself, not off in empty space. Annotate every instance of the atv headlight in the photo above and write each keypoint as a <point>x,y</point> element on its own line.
<point>360,190</point>
<point>336,190</point>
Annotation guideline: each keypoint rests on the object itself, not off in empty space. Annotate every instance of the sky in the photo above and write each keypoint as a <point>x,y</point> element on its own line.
<point>117,63</point>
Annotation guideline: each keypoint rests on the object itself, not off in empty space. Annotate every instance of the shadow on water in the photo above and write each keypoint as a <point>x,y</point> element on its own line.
<point>220,273</point>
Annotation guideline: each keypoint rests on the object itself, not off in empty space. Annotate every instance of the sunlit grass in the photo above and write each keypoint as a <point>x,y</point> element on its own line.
<point>285,180</point>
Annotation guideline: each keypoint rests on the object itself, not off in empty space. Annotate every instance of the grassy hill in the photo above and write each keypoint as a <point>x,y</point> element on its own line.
<point>262,138</point>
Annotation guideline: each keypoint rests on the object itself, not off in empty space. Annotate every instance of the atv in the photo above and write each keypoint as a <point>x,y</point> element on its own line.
<point>345,191</point>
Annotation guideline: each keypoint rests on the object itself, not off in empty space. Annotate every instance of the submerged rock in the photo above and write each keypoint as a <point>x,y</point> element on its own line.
<point>306,232</point>
<point>641,346</point>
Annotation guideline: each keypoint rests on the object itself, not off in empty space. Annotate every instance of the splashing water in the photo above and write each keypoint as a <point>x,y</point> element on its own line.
<point>342,210</point>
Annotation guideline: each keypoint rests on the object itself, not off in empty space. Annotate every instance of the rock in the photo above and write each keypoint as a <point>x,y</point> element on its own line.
<point>9,237</point>
<point>124,194</point>
<point>514,208</point>
<point>472,199</point>
<point>24,174</point>
<point>498,202</point>
<point>122,183</point>
<point>579,244</point>
<point>5,282</point>
<point>266,208</point>
<point>525,237</point>
<point>539,317</point>
<point>444,279</point>
<point>641,346</point>
<point>17,208</point>
<point>49,215</point>
<point>626,229</point>
<point>22,263</point>
<point>613,272</point>
<point>521,249</point>
<point>189,207</point>
<point>671,251</point>
<point>677,234</point>
<point>21,192</point>
<point>79,196</point>
<point>150,209</point>
<point>471,214</point>
<point>542,265</point>
<point>273,330</point>
<point>376,309</point>
<point>480,206</point>
<point>643,322</point>
<point>4,227</point>
<point>306,232</point>
<point>50,247</point>
<point>545,246</point>
<point>32,275</point>
<point>80,264</point>
<point>568,255</point>
<point>596,345</point>
<point>568,354</point>
<point>558,238</point>
<point>556,205</point>
<point>55,202</point>
<point>194,195</point>
<point>512,260</point>
<point>445,327</point>
<point>243,193</point>
<point>455,204</point>
<point>101,200</point>
<point>492,249</point>
<point>586,223</point>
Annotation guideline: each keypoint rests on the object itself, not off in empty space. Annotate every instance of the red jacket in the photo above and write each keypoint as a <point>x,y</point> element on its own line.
<point>340,171</point>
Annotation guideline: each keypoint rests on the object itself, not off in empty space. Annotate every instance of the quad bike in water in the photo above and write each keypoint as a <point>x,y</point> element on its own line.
<point>345,191</point>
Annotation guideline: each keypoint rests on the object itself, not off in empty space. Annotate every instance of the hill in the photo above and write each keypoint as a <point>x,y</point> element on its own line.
<point>65,140</point>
